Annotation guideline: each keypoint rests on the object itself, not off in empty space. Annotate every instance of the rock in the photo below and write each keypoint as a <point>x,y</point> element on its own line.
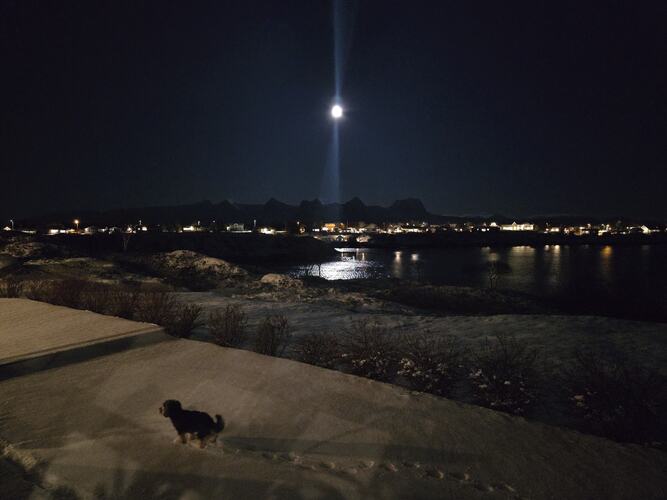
<point>195,270</point>
<point>281,281</point>
<point>31,250</point>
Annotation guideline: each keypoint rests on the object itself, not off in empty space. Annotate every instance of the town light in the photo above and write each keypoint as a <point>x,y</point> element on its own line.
<point>76,222</point>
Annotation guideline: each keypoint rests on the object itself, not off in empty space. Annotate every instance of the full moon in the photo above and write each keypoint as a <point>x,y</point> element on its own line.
<point>336,111</point>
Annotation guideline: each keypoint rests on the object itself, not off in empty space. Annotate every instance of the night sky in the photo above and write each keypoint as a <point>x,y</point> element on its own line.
<point>521,108</point>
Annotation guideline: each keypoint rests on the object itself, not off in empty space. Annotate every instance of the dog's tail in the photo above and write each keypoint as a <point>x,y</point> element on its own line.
<point>219,423</point>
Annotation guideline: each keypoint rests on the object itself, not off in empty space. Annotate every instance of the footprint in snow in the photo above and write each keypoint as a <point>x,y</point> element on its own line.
<point>461,476</point>
<point>503,486</point>
<point>291,457</point>
<point>435,473</point>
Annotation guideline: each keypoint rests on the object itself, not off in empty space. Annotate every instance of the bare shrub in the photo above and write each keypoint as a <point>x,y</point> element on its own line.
<point>95,297</point>
<point>272,335</point>
<point>68,292</point>
<point>36,290</point>
<point>504,375</point>
<point>11,288</point>
<point>432,364</point>
<point>59,292</point>
<point>182,320</point>
<point>492,274</point>
<point>228,327</point>
<point>369,350</point>
<point>615,397</point>
<point>154,307</point>
<point>320,349</point>
<point>122,303</point>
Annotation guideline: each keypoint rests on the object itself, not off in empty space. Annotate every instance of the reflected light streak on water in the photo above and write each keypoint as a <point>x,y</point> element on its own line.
<point>573,270</point>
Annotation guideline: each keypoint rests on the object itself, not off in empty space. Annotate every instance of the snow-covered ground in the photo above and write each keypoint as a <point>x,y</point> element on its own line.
<point>29,329</point>
<point>555,336</point>
<point>293,431</point>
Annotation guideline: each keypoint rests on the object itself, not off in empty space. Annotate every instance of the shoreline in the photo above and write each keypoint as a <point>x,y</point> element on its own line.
<point>498,239</point>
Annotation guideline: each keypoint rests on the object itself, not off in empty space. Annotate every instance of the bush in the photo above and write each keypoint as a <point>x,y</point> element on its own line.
<point>11,289</point>
<point>228,327</point>
<point>95,298</point>
<point>320,349</point>
<point>369,350</point>
<point>154,307</point>
<point>432,364</point>
<point>68,292</point>
<point>122,303</point>
<point>504,375</point>
<point>35,290</point>
<point>272,336</point>
<point>616,398</point>
<point>182,320</point>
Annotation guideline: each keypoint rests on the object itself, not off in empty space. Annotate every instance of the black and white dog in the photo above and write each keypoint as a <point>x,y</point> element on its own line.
<point>196,424</point>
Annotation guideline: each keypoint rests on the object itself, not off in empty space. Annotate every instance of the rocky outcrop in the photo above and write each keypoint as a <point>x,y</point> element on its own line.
<point>194,270</point>
<point>281,281</point>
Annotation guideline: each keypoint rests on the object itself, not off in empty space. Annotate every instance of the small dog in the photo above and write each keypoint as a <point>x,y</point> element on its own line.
<point>193,423</point>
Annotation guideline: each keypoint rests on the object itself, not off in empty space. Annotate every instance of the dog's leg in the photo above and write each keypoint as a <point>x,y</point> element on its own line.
<point>181,438</point>
<point>204,440</point>
<point>212,438</point>
<point>195,441</point>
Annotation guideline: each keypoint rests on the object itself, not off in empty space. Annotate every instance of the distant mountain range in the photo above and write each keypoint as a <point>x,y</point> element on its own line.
<point>277,213</point>
<point>273,212</point>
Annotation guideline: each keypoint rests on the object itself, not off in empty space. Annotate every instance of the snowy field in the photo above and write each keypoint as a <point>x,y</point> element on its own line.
<point>555,336</point>
<point>293,431</point>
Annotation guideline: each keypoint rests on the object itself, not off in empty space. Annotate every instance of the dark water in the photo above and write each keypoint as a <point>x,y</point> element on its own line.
<point>618,272</point>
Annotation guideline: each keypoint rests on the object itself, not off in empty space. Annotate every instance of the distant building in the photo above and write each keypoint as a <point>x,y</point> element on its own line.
<point>331,227</point>
<point>525,226</point>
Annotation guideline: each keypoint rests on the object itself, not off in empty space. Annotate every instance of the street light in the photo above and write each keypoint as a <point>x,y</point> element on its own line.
<point>76,221</point>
